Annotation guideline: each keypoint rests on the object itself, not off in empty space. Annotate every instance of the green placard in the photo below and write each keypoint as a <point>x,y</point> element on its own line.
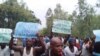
<point>61,26</point>
<point>5,35</point>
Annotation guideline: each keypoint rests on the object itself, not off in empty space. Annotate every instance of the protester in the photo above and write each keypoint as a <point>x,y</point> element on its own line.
<point>62,39</point>
<point>81,42</point>
<point>12,53</point>
<point>93,39</point>
<point>29,50</point>
<point>15,42</point>
<point>24,42</point>
<point>39,53</point>
<point>92,43</point>
<point>48,45</point>
<point>77,43</point>
<point>66,40</point>
<point>85,48</point>
<point>71,50</point>
<point>4,50</point>
<point>56,48</point>
<point>46,39</point>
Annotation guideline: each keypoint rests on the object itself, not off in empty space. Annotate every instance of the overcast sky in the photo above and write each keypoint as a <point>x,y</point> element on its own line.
<point>40,7</point>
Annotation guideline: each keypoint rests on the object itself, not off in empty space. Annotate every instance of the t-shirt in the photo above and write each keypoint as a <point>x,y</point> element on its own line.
<point>85,52</point>
<point>68,52</point>
<point>5,51</point>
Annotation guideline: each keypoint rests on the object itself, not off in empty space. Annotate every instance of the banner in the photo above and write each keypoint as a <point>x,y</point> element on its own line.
<point>61,26</point>
<point>5,35</point>
<point>26,30</point>
<point>97,34</point>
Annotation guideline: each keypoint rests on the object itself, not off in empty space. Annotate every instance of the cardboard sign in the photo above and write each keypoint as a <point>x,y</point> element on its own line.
<point>62,26</point>
<point>5,35</point>
<point>97,34</point>
<point>26,30</point>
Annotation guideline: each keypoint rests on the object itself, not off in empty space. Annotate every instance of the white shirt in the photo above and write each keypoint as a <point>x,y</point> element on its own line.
<point>5,51</point>
<point>84,50</point>
<point>62,40</point>
<point>69,53</point>
<point>47,45</point>
<point>77,41</point>
<point>30,54</point>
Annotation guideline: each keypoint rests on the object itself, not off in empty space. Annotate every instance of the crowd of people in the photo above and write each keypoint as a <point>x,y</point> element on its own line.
<point>46,46</point>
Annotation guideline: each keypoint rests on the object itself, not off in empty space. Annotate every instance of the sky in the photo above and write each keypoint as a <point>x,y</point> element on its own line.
<point>40,7</point>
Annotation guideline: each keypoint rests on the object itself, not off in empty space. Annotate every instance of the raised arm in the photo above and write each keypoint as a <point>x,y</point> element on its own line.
<point>42,45</point>
<point>12,46</point>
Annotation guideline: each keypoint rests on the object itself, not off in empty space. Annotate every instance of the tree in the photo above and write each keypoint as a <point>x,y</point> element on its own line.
<point>43,32</point>
<point>57,13</point>
<point>98,4</point>
<point>83,21</point>
<point>49,21</point>
<point>13,12</point>
<point>75,31</point>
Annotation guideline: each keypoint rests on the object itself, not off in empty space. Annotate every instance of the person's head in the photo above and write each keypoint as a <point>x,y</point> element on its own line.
<point>76,37</point>
<point>56,45</point>
<point>86,40</point>
<point>3,45</point>
<point>29,42</point>
<point>94,37</point>
<point>72,42</point>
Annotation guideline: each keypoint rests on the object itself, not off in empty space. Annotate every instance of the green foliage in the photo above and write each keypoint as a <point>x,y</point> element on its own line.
<point>15,12</point>
<point>83,22</point>
<point>49,21</point>
<point>58,14</point>
<point>43,32</point>
<point>86,20</point>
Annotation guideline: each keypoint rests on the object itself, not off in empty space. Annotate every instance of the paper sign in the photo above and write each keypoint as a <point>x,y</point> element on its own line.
<point>26,30</point>
<point>5,35</point>
<point>62,26</point>
<point>97,34</point>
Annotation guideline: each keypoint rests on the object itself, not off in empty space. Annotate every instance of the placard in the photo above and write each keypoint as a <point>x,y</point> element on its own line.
<point>97,34</point>
<point>26,30</point>
<point>5,35</point>
<point>61,26</point>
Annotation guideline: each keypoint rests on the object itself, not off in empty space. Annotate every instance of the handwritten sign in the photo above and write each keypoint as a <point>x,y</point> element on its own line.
<point>62,26</point>
<point>97,34</point>
<point>5,35</point>
<point>26,30</point>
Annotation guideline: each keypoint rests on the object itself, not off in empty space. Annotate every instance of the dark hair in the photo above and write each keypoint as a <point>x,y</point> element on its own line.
<point>71,40</point>
<point>86,40</point>
<point>66,38</point>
